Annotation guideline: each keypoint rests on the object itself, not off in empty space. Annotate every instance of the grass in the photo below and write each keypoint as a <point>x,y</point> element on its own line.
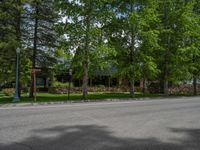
<point>47,97</point>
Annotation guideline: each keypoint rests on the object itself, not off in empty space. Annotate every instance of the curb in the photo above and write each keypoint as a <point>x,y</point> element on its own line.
<point>92,101</point>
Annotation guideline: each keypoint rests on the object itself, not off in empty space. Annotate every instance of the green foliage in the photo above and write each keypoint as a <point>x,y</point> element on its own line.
<point>41,19</point>
<point>25,71</point>
<point>8,91</point>
<point>135,36</point>
<point>63,61</point>
<point>83,32</point>
<point>57,84</point>
<point>178,31</point>
<point>102,60</point>
<point>47,97</point>
<point>8,39</point>
<point>148,39</point>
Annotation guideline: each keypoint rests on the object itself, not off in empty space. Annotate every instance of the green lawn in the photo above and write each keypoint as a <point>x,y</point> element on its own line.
<point>46,97</point>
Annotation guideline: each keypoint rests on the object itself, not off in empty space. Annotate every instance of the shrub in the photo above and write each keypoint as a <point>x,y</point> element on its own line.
<point>57,84</point>
<point>100,86</point>
<point>8,91</point>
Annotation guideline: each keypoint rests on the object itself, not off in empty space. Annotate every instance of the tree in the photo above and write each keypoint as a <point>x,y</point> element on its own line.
<point>134,36</point>
<point>10,17</point>
<point>191,37</point>
<point>42,18</point>
<point>195,22</point>
<point>82,28</point>
<point>149,45</point>
<point>172,60</point>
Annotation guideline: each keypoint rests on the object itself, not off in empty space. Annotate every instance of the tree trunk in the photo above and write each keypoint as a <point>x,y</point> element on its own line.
<point>194,85</point>
<point>132,50</point>
<point>85,80</point>
<point>145,89</point>
<point>18,35</point>
<point>79,83</point>
<point>167,53</point>
<point>109,83</point>
<point>166,88</point>
<point>34,48</point>
<point>86,53</point>
<point>119,82</point>
<point>132,88</point>
<point>90,82</point>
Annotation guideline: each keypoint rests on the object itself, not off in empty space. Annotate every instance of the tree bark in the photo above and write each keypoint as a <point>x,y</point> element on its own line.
<point>86,54</point>
<point>91,82</point>
<point>145,88</point>
<point>85,80</point>
<point>166,87</point>
<point>119,82</point>
<point>132,50</point>
<point>132,88</point>
<point>167,39</point>
<point>18,35</point>
<point>194,85</point>
<point>34,47</point>
<point>109,83</point>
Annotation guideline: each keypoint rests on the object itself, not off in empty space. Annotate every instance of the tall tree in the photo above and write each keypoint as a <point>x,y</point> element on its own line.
<point>172,61</point>
<point>124,37</point>
<point>149,45</point>
<point>133,33</point>
<point>42,18</point>
<point>10,36</point>
<point>84,20</point>
<point>191,37</point>
<point>195,32</point>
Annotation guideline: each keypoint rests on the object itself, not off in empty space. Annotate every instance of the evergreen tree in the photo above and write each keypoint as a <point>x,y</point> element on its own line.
<point>42,18</point>
<point>10,16</point>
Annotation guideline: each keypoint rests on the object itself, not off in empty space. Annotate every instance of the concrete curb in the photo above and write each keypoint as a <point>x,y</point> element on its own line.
<point>92,101</point>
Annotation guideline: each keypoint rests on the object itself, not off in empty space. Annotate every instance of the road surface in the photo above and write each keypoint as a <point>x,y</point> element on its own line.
<point>165,124</point>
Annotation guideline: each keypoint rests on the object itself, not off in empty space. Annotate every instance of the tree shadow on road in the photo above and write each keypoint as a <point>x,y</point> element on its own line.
<point>92,137</point>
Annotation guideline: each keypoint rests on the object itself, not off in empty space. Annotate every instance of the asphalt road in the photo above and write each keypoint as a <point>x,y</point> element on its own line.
<point>138,125</point>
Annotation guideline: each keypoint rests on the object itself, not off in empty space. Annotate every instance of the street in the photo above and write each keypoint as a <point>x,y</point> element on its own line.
<point>162,124</point>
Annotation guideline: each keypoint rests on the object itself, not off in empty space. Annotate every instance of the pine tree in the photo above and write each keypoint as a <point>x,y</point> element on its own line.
<point>10,17</point>
<point>42,18</point>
